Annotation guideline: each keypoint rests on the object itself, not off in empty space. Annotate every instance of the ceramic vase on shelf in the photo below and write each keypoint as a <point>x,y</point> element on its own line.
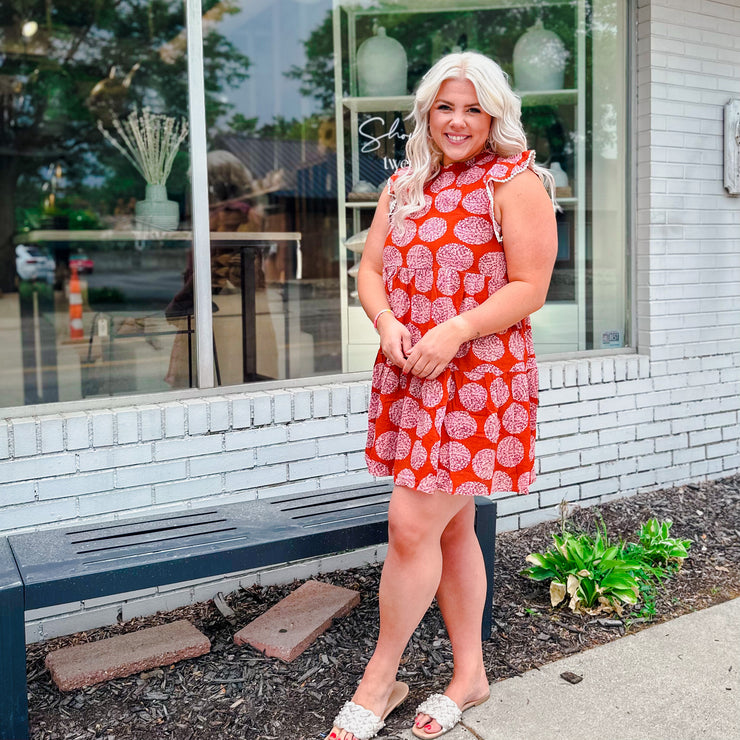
<point>155,211</point>
<point>539,60</point>
<point>381,66</point>
<point>562,185</point>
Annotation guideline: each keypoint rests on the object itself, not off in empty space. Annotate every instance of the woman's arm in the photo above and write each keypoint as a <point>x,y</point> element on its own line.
<point>525,213</point>
<point>395,339</point>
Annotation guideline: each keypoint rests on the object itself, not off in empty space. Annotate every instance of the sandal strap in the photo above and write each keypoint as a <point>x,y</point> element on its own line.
<point>442,709</point>
<point>361,722</point>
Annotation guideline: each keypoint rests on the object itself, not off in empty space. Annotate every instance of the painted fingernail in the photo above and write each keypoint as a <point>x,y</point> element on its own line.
<point>428,727</point>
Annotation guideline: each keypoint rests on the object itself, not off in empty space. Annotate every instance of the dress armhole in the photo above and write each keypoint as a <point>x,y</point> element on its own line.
<point>503,170</point>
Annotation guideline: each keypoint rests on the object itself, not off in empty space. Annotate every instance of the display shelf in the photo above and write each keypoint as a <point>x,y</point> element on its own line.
<point>406,102</point>
<point>378,105</point>
<point>530,98</point>
<point>362,204</point>
<point>561,325</point>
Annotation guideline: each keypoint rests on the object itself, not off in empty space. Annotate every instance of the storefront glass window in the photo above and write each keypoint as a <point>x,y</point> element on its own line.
<point>304,123</point>
<point>91,255</point>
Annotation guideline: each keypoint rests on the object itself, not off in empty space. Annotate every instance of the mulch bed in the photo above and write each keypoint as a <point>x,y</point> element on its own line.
<point>235,692</point>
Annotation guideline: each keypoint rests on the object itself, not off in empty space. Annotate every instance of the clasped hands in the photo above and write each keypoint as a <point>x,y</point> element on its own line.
<point>431,354</point>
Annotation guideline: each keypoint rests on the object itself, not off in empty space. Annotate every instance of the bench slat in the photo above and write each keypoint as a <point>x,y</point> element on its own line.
<point>113,557</point>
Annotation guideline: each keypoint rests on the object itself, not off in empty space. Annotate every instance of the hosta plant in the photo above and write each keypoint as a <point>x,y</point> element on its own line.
<point>594,575</point>
<point>656,547</point>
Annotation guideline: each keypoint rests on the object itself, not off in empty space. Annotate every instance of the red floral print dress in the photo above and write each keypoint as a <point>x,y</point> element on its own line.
<point>471,430</point>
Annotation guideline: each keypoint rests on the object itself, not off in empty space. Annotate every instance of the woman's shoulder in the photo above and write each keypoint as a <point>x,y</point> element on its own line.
<point>503,169</point>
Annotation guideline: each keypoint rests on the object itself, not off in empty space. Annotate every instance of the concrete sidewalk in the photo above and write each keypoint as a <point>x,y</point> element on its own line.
<point>673,681</point>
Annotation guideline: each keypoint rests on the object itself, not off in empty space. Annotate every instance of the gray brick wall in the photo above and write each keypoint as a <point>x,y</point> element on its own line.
<point>609,426</point>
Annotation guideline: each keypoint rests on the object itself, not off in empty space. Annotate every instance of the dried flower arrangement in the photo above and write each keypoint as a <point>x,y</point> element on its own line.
<point>150,142</point>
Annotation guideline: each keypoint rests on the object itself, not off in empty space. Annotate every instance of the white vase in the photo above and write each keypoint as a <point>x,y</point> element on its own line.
<point>155,211</point>
<point>539,60</point>
<point>381,66</point>
<point>561,178</point>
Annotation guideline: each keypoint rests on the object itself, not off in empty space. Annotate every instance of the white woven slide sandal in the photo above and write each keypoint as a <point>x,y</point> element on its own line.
<point>363,723</point>
<point>447,714</point>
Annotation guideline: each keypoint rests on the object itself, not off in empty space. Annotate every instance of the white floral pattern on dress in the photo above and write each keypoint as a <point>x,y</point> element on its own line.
<point>418,455</point>
<point>470,175</point>
<point>443,309</point>
<point>515,419</point>
<point>421,309</point>
<point>460,424</point>
<point>483,462</point>
<point>472,488</point>
<point>477,202</point>
<point>489,348</point>
<point>509,452</point>
<point>403,235</point>
<point>400,303</point>
<point>473,396</point>
<point>474,283</point>
<point>424,280</point>
<point>493,264</point>
<point>455,257</point>
<point>454,456</point>
<point>392,257</point>
<point>474,230</point>
<point>447,200</point>
<point>420,257</point>
<point>433,229</point>
<point>443,180</point>
<point>448,282</point>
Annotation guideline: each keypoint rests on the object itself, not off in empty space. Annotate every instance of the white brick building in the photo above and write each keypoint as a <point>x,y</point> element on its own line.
<point>660,413</point>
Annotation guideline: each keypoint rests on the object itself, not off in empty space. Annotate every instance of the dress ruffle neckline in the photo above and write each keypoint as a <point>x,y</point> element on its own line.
<point>486,154</point>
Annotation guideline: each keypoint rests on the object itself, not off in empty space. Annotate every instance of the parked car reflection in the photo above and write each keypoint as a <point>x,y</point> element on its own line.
<point>33,263</point>
<point>82,262</point>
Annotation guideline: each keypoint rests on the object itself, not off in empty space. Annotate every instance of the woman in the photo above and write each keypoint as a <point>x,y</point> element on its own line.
<point>459,254</point>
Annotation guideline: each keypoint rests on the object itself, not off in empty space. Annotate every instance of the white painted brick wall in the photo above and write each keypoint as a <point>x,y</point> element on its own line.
<point>609,426</point>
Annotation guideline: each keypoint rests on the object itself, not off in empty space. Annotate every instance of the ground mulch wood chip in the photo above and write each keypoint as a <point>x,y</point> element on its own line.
<point>235,692</point>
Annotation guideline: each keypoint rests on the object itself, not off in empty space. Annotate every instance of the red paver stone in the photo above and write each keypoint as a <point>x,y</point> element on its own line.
<point>84,665</point>
<point>289,627</point>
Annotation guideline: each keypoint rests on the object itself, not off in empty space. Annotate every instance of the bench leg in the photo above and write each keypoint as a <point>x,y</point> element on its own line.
<point>13,691</point>
<point>485,528</point>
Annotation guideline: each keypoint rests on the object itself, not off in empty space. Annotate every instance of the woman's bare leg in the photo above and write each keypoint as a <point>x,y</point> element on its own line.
<point>461,597</point>
<point>411,576</point>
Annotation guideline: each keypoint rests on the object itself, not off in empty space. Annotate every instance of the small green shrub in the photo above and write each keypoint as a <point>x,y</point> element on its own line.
<point>656,547</point>
<point>599,575</point>
<point>105,296</point>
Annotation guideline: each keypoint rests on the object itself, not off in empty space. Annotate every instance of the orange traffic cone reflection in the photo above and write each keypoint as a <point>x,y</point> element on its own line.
<point>75,307</point>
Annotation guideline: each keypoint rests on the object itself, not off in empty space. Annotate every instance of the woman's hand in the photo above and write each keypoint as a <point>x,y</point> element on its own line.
<point>395,339</point>
<point>434,351</point>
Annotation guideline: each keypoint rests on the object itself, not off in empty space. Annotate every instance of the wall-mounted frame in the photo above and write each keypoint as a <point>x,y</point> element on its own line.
<point>732,146</point>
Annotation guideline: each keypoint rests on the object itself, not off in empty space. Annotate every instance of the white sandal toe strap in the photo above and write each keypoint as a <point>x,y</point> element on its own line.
<point>442,709</point>
<point>361,722</point>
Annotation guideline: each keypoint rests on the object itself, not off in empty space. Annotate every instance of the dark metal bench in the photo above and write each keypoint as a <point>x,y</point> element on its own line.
<point>56,566</point>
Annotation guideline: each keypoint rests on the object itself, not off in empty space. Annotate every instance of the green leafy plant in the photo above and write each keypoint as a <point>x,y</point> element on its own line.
<point>656,547</point>
<point>105,296</point>
<point>599,575</point>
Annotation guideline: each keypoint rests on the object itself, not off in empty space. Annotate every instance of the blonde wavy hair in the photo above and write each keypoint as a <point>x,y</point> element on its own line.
<point>506,137</point>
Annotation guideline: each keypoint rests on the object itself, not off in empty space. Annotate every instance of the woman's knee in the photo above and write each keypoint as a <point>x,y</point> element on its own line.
<point>416,521</point>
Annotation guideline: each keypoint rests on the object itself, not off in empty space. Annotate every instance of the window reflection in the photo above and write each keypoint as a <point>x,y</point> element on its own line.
<point>84,279</point>
<point>272,176</point>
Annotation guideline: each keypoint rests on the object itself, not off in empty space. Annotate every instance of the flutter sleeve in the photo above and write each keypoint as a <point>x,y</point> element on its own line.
<point>503,170</point>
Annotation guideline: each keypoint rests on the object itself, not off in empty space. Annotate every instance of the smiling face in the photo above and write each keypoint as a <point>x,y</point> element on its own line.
<point>457,123</point>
